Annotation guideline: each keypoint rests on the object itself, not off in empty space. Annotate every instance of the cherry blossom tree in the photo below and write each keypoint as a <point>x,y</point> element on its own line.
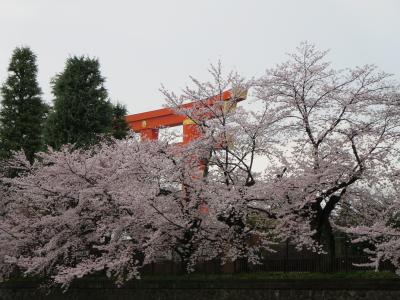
<point>231,138</point>
<point>338,135</point>
<point>122,205</point>
<point>116,208</point>
<point>319,141</point>
<point>376,225</point>
<point>383,237</point>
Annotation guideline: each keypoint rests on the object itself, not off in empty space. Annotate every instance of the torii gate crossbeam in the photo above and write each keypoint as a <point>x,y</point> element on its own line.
<point>148,123</point>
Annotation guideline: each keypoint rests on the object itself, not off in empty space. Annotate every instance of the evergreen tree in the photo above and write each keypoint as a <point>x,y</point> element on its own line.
<point>120,128</point>
<point>23,111</point>
<point>81,112</point>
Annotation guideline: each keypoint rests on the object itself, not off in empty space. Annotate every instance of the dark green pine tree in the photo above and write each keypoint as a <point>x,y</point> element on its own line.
<point>120,128</point>
<point>82,111</point>
<point>23,111</point>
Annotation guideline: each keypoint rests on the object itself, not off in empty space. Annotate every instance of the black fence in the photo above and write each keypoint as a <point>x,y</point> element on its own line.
<point>320,263</point>
<point>286,259</point>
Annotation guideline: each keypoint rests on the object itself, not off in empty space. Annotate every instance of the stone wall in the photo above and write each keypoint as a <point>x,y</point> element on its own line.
<point>95,289</point>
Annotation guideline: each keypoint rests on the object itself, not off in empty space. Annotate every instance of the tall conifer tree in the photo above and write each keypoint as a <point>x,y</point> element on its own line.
<point>120,128</point>
<point>22,111</point>
<point>81,111</point>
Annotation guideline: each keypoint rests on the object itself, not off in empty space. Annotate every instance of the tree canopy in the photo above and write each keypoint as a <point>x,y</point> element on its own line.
<point>120,128</point>
<point>23,111</point>
<point>81,109</point>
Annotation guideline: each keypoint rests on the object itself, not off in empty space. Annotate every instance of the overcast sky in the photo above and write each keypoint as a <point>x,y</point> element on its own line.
<point>141,44</point>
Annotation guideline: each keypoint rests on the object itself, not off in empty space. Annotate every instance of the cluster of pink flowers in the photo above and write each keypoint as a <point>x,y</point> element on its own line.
<point>317,144</point>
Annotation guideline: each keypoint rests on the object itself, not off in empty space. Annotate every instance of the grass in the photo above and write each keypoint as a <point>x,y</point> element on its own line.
<point>277,276</point>
<point>257,276</point>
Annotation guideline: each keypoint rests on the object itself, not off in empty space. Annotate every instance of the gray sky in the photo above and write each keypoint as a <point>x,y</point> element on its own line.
<point>142,44</point>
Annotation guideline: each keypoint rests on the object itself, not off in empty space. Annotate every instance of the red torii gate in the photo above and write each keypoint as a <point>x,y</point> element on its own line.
<point>148,123</point>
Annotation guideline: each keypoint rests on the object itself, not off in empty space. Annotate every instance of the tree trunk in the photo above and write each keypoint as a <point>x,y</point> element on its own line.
<point>326,238</point>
